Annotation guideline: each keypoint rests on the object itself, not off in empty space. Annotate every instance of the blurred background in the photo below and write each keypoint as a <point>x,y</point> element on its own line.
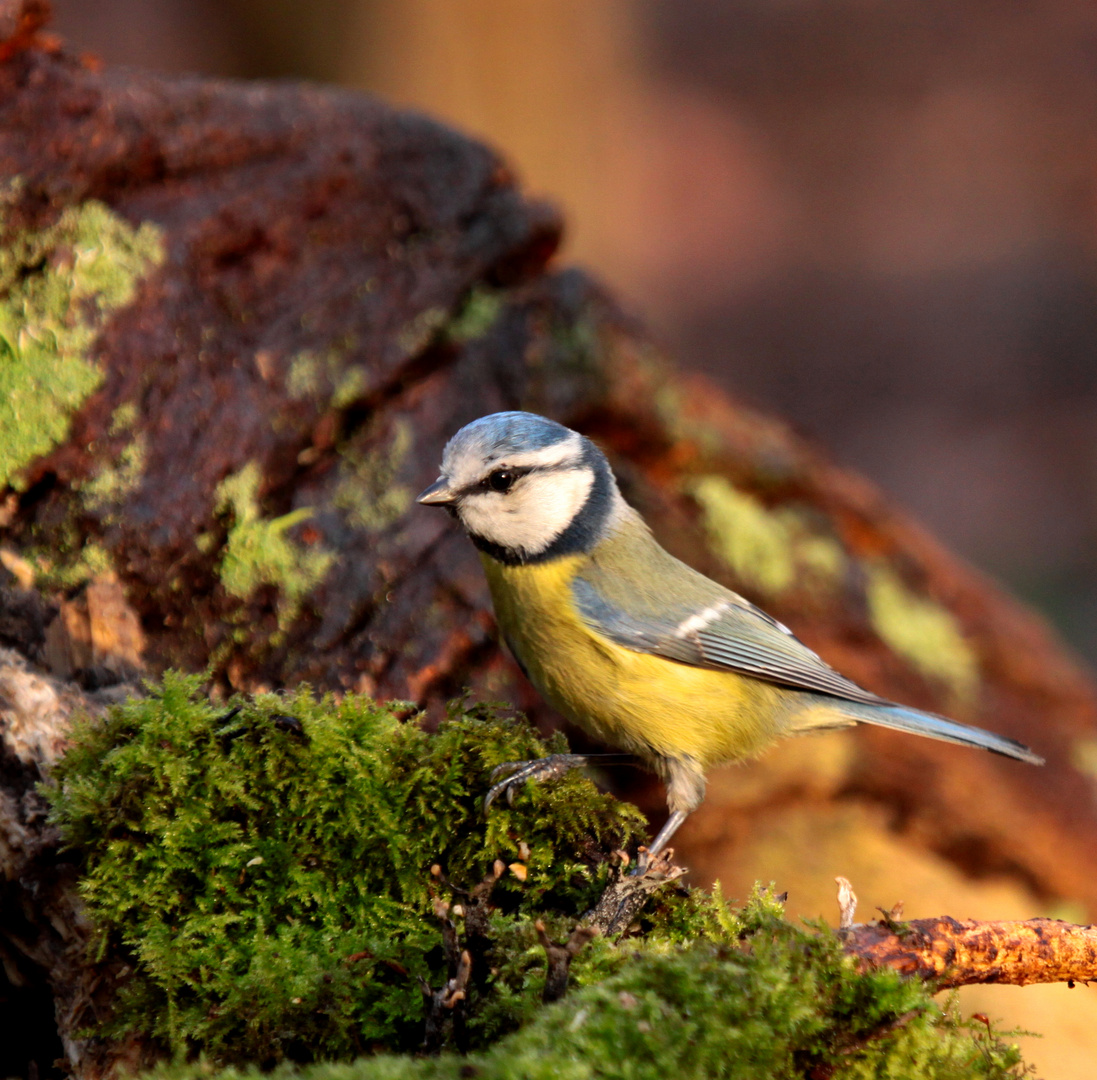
<point>878,219</point>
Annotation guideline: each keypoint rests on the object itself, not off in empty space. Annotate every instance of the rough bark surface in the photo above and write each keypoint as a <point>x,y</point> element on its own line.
<point>958,952</point>
<point>340,287</point>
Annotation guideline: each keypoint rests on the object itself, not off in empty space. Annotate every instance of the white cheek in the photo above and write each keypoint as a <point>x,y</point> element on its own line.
<point>534,514</point>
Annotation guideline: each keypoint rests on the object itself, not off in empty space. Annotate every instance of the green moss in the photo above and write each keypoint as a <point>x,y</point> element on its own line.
<point>924,633</point>
<point>772,551</point>
<point>58,286</point>
<point>367,489</point>
<point>270,881</point>
<point>773,1002</point>
<point>477,315</point>
<point>258,551</point>
<point>266,873</point>
<point>786,1005</point>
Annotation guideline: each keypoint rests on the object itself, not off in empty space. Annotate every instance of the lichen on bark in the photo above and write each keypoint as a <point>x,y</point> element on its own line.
<point>58,285</point>
<point>258,550</point>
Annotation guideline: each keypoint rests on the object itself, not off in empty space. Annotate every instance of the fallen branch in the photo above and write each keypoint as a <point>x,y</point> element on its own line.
<point>959,952</point>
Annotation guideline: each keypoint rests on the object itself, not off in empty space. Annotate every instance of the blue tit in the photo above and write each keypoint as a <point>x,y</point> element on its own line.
<point>638,649</point>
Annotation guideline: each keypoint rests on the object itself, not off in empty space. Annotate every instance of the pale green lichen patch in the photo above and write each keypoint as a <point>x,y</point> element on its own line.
<point>328,378</point>
<point>476,317</point>
<point>769,550</point>
<point>367,490</point>
<point>83,561</point>
<point>578,342</point>
<point>113,482</point>
<point>416,335</point>
<point>670,404</point>
<point>349,387</point>
<point>304,377</point>
<point>924,633</point>
<point>258,550</point>
<point>58,285</point>
<point>124,418</point>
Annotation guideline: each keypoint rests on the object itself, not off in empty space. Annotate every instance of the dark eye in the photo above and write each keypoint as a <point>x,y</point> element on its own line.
<point>502,480</point>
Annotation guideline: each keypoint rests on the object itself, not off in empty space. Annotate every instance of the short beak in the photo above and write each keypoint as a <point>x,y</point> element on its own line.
<point>438,494</point>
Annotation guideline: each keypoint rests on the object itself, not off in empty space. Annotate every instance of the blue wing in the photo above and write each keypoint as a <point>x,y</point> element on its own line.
<point>667,609</point>
<point>728,634</point>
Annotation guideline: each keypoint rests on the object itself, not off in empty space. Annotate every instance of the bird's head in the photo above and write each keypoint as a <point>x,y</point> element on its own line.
<point>525,488</point>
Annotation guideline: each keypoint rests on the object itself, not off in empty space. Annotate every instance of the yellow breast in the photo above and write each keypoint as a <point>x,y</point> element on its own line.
<point>633,701</point>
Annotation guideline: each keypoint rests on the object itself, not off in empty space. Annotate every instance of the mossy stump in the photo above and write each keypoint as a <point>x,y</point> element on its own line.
<point>288,881</point>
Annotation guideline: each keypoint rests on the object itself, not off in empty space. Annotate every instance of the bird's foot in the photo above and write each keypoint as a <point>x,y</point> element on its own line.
<point>647,858</point>
<point>653,862</point>
<point>521,772</point>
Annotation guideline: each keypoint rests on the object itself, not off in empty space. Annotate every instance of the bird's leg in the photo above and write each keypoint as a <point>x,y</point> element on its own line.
<point>520,772</point>
<point>685,792</point>
<point>661,840</point>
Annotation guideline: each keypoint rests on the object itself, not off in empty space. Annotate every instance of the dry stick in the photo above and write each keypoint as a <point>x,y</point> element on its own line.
<point>476,908</point>
<point>446,1005</point>
<point>444,1002</point>
<point>559,958</point>
<point>957,952</point>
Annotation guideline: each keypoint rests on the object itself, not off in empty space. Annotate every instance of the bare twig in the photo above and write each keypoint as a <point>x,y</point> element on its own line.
<point>476,911</point>
<point>442,1004</point>
<point>445,1005</point>
<point>560,957</point>
<point>951,952</point>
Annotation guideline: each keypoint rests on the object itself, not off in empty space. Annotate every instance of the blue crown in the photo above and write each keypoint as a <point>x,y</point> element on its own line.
<point>507,433</point>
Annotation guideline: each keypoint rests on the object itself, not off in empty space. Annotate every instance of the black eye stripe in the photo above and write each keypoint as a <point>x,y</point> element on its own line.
<point>517,471</point>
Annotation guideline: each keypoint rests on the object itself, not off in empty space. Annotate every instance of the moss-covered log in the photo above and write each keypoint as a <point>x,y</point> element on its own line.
<point>293,880</point>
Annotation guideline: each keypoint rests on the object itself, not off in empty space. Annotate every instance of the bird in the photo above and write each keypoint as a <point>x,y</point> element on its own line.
<point>667,667</point>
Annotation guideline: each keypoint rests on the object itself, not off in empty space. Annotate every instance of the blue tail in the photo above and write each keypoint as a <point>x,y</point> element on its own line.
<point>937,727</point>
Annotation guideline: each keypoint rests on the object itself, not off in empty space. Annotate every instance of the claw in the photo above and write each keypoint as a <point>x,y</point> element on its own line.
<point>512,766</point>
<point>648,863</point>
<point>523,771</point>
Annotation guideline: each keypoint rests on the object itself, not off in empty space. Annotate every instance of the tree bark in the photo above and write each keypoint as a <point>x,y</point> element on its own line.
<point>951,952</point>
